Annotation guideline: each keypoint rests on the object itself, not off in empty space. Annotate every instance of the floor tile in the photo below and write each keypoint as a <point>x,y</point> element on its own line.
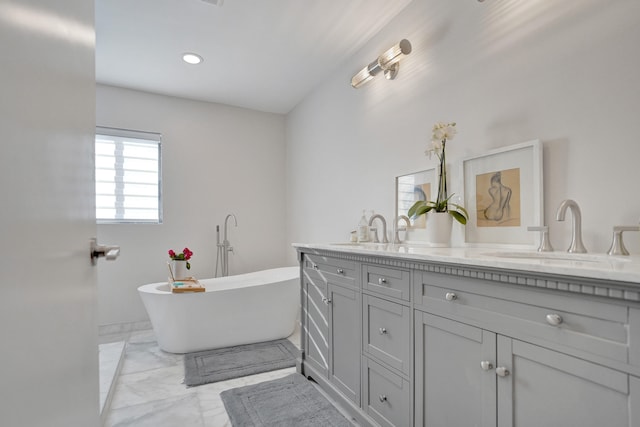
<point>150,390</point>
<point>173,412</point>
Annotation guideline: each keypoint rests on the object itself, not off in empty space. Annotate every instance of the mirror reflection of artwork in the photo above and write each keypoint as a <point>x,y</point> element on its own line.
<point>421,192</point>
<point>410,189</point>
<point>498,198</point>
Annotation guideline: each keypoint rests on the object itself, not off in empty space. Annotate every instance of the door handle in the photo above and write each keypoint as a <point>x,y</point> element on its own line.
<point>96,251</point>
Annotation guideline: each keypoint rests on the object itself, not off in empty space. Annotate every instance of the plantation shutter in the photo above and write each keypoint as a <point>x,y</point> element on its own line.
<point>128,179</point>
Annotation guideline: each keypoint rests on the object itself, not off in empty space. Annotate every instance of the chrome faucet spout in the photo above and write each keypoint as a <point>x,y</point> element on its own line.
<point>225,247</point>
<point>384,228</point>
<point>576,230</point>
<point>407,222</point>
<point>235,221</point>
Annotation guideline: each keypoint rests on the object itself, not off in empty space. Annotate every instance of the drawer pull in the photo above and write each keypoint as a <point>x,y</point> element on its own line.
<point>383,331</point>
<point>486,365</point>
<point>501,371</point>
<point>554,319</point>
<point>340,271</point>
<point>382,398</point>
<point>450,296</point>
<point>382,281</point>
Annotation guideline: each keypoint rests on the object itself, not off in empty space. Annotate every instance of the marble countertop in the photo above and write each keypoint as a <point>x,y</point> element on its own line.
<point>594,266</point>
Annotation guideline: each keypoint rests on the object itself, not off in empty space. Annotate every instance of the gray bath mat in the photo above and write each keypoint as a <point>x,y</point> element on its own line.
<point>221,364</point>
<point>286,402</point>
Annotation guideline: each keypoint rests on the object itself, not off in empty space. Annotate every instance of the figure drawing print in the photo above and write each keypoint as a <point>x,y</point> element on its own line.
<point>498,198</point>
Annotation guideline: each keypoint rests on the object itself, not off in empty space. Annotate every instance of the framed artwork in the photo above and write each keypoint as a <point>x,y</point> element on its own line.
<point>410,188</point>
<point>503,195</point>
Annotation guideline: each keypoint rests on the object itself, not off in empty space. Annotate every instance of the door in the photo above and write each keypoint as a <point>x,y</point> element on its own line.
<point>541,387</point>
<point>48,321</point>
<point>455,380</point>
<point>345,333</point>
<point>316,345</point>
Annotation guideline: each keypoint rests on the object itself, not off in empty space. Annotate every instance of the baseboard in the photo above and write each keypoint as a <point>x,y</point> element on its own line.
<point>123,328</point>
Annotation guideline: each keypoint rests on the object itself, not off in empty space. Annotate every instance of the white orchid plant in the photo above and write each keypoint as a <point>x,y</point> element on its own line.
<point>442,132</point>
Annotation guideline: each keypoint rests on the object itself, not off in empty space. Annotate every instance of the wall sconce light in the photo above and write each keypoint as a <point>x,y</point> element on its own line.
<point>387,62</point>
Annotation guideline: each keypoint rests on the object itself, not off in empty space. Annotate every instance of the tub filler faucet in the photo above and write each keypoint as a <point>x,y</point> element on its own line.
<point>225,247</point>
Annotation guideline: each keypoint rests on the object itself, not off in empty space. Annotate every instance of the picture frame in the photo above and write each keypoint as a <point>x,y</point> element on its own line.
<point>502,191</point>
<point>421,185</point>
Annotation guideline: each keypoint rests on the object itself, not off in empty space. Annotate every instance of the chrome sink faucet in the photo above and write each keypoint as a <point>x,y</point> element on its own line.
<point>576,231</point>
<point>384,228</point>
<point>407,222</point>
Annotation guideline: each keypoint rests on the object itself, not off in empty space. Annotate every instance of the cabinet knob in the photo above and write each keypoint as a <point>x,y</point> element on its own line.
<point>326,300</point>
<point>382,398</point>
<point>501,371</point>
<point>486,365</point>
<point>340,271</point>
<point>450,296</point>
<point>315,266</point>
<point>383,331</point>
<point>382,281</point>
<point>554,319</point>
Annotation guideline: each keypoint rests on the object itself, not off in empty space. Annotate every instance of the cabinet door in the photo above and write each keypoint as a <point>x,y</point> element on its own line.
<point>316,323</point>
<point>344,340</point>
<point>541,387</point>
<point>453,386</point>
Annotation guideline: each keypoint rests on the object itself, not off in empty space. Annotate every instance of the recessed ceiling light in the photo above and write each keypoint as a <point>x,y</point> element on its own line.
<point>192,58</point>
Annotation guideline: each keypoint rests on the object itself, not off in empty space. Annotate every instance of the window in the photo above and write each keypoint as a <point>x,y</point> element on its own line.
<point>128,176</point>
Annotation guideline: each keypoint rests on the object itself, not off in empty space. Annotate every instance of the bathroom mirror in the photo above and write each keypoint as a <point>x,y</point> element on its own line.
<point>410,188</point>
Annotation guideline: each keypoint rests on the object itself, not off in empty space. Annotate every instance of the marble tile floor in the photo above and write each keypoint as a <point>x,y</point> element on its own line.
<point>149,390</point>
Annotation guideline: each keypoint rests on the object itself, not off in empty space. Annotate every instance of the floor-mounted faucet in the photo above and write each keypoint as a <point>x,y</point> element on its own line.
<point>576,230</point>
<point>225,247</point>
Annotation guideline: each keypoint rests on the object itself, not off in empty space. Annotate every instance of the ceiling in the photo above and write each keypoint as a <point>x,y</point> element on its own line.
<point>260,54</point>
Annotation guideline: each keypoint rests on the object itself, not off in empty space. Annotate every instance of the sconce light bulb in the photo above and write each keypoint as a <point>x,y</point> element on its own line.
<point>387,62</point>
<point>361,78</point>
<point>393,55</point>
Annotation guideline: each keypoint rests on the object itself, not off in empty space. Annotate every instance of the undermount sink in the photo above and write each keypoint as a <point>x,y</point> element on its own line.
<point>555,256</point>
<point>360,244</point>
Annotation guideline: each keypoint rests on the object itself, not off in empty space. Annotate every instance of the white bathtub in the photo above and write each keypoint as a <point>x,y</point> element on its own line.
<point>234,310</point>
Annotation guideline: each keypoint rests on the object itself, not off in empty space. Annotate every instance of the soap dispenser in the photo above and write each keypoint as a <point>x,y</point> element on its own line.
<point>363,228</point>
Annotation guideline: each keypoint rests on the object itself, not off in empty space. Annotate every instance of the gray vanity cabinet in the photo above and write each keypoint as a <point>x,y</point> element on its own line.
<point>331,322</point>
<point>402,342</point>
<point>344,341</point>
<point>453,386</point>
<point>467,376</point>
<point>542,387</point>
<point>316,321</point>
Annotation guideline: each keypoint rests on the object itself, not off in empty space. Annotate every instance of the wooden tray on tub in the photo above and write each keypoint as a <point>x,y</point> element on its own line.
<point>188,284</point>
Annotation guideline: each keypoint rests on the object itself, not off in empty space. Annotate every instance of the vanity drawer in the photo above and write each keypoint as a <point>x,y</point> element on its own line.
<point>332,269</point>
<point>388,282</point>
<point>387,396</point>
<point>387,329</point>
<point>586,325</point>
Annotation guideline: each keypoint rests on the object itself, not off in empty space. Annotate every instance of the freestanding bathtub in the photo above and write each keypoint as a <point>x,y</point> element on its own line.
<point>234,310</point>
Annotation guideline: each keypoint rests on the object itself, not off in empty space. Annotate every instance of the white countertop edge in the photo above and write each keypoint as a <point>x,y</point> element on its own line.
<point>592,266</point>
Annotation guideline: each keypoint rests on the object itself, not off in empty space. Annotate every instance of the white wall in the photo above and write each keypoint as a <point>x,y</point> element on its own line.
<point>216,160</point>
<point>507,71</point>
